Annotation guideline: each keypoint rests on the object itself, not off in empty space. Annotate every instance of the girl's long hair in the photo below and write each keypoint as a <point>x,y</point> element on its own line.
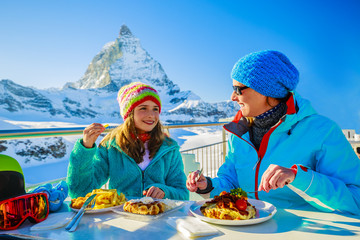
<point>126,138</point>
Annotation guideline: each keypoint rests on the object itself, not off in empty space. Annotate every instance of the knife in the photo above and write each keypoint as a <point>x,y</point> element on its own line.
<point>82,209</point>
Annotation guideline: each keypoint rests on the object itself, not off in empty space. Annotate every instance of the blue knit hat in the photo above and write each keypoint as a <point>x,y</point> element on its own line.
<point>270,73</point>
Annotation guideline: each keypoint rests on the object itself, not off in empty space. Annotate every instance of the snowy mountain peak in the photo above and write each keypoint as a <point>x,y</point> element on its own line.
<point>125,31</point>
<point>121,62</point>
<point>124,61</point>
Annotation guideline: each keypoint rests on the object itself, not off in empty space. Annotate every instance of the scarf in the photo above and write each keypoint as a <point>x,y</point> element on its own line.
<point>264,122</point>
<point>142,137</point>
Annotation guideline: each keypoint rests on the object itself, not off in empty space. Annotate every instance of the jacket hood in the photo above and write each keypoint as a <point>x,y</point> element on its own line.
<point>303,109</point>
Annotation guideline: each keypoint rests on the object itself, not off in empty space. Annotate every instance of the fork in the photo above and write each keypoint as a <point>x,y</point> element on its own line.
<point>198,177</point>
<point>77,221</point>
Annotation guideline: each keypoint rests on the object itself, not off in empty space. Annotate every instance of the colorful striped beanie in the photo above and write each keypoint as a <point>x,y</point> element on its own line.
<point>134,94</point>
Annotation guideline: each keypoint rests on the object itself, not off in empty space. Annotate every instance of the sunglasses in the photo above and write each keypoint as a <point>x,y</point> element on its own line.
<point>14,211</point>
<point>238,89</point>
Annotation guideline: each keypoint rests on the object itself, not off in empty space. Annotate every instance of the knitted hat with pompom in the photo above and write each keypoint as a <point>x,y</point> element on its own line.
<point>134,94</point>
<point>270,73</point>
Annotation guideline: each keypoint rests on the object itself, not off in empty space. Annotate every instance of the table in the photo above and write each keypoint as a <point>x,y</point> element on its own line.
<point>286,224</point>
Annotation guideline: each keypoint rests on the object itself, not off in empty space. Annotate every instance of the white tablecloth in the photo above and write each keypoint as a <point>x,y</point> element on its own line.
<point>286,224</point>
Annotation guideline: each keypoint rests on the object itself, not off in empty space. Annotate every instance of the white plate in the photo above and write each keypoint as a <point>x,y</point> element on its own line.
<point>96,210</point>
<point>264,211</point>
<point>146,218</point>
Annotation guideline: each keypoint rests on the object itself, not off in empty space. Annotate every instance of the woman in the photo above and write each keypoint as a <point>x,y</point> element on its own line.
<point>136,157</point>
<point>280,147</point>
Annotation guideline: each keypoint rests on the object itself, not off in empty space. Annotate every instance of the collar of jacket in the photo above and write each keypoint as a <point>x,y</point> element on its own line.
<point>239,125</point>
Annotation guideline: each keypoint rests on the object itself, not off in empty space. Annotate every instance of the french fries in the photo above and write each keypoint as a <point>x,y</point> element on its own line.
<point>104,198</point>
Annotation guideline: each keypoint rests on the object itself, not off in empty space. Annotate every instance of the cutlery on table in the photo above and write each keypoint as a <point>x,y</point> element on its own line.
<point>198,177</point>
<point>253,191</point>
<point>75,221</point>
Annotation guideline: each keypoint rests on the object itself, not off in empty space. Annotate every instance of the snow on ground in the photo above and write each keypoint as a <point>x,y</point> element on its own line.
<point>45,124</point>
<point>5,124</point>
<point>201,136</point>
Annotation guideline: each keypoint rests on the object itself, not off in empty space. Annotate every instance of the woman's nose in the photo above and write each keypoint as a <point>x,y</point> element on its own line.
<point>234,96</point>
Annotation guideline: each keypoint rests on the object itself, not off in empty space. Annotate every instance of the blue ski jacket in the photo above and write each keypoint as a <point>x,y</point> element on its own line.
<point>328,176</point>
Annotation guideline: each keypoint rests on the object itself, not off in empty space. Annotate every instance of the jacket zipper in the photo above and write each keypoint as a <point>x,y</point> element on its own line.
<point>143,181</point>
<point>291,109</point>
<point>151,162</point>
<point>257,165</point>
<point>260,153</point>
<point>263,145</point>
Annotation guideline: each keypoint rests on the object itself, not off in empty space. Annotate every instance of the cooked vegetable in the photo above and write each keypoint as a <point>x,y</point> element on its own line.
<point>238,192</point>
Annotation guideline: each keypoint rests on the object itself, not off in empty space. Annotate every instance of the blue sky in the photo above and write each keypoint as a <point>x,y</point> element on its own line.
<point>48,43</point>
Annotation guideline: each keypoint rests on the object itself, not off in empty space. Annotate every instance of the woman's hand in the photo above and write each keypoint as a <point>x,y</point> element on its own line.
<point>193,181</point>
<point>276,177</point>
<point>91,133</point>
<point>154,192</point>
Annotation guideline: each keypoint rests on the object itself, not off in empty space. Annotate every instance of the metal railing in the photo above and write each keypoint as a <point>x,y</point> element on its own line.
<point>210,156</point>
<point>54,132</point>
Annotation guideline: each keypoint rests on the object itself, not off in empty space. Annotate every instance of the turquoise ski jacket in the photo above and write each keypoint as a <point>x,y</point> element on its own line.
<point>328,176</point>
<point>91,168</point>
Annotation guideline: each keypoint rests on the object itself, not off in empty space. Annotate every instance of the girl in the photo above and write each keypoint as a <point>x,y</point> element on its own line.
<point>136,157</point>
<point>280,147</point>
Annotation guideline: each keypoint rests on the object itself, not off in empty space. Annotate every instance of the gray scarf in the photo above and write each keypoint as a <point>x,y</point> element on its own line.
<point>264,122</point>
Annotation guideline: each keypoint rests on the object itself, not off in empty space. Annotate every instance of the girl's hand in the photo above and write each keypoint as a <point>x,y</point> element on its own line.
<point>276,177</point>
<point>91,133</point>
<point>193,181</point>
<point>154,192</point>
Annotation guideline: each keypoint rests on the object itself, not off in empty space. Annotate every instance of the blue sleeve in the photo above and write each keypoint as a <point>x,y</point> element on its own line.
<point>227,177</point>
<point>88,169</point>
<point>335,183</point>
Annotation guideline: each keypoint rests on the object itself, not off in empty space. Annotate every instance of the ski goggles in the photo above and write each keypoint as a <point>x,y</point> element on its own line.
<point>14,211</point>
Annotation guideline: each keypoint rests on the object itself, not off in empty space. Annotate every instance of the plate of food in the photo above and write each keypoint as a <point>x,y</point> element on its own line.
<point>106,200</point>
<point>147,208</point>
<point>233,208</point>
